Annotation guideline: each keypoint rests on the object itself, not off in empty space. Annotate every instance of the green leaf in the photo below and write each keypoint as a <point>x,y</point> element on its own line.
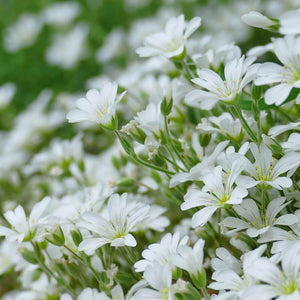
<point>246,103</point>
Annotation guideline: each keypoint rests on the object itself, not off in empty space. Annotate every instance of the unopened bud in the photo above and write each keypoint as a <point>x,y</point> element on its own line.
<point>57,237</point>
<point>166,106</point>
<point>76,237</point>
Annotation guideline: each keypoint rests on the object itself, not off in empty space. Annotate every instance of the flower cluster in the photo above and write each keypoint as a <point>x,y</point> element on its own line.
<point>176,176</point>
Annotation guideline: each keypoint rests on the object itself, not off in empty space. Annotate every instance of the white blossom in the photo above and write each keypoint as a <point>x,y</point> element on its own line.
<point>98,106</point>
<point>171,42</point>
<point>285,77</point>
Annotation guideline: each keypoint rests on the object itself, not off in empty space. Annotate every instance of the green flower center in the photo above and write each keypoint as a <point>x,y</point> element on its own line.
<point>288,285</point>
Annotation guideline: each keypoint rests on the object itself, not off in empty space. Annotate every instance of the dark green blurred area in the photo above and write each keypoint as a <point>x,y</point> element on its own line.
<point>28,69</point>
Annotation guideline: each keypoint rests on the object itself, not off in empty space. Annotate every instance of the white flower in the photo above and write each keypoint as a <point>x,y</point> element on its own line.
<point>224,261</point>
<point>283,240</point>
<point>217,192</point>
<point>238,73</point>
<point>200,170</point>
<point>99,107</point>
<point>260,50</point>
<point>151,145</point>
<point>92,294</point>
<point>280,283</point>
<point>60,13</point>
<point>171,42</point>
<point>87,294</point>
<point>232,280</point>
<point>191,260</point>
<point>7,91</point>
<point>24,229</point>
<point>161,252</point>
<point>216,57</point>
<point>256,223</point>
<point>154,219</point>
<point>224,124</point>
<point>256,19</point>
<point>160,279</point>
<point>68,48</point>
<point>290,22</point>
<point>293,143</point>
<point>115,229</point>
<point>112,46</point>
<point>9,255</point>
<point>23,33</point>
<point>58,157</point>
<point>285,77</point>
<point>266,171</point>
<point>279,129</point>
<point>150,120</point>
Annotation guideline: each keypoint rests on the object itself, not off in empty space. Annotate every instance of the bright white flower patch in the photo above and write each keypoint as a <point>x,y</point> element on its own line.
<point>290,22</point>
<point>266,171</point>
<point>218,192</point>
<point>283,240</point>
<point>24,229</point>
<point>256,19</point>
<point>171,42</point>
<point>285,77</point>
<point>87,293</point>
<point>255,223</point>
<point>201,169</point>
<point>160,279</point>
<point>225,124</point>
<point>150,120</point>
<point>293,143</point>
<point>231,278</point>
<point>178,206</point>
<point>162,252</point>
<point>238,73</point>
<point>113,229</point>
<point>98,106</point>
<point>282,283</point>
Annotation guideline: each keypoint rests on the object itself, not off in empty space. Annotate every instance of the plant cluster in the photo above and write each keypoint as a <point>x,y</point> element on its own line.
<point>181,179</point>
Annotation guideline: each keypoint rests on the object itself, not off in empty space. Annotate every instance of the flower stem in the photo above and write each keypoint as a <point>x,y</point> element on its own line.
<point>205,293</point>
<point>246,126</point>
<point>140,161</point>
<point>257,119</point>
<point>49,272</point>
<point>169,139</point>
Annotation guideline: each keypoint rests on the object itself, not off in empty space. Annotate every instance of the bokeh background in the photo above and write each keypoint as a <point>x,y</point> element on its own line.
<point>60,45</point>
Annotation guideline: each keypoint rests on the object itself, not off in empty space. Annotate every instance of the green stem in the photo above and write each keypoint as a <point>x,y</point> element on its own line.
<point>187,70</point>
<point>173,162</point>
<point>257,119</point>
<point>45,268</point>
<point>219,221</point>
<point>142,162</point>
<point>146,164</point>
<point>88,263</point>
<point>247,128</point>
<point>284,114</point>
<point>263,202</point>
<point>205,293</point>
<point>169,138</point>
<point>70,250</point>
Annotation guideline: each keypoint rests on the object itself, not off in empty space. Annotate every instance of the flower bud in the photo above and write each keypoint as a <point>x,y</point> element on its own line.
<point>56,237</point>
<point>166,106</point>
<point>29,255</point>
<point>76,236</point>
<point>199,279</point>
